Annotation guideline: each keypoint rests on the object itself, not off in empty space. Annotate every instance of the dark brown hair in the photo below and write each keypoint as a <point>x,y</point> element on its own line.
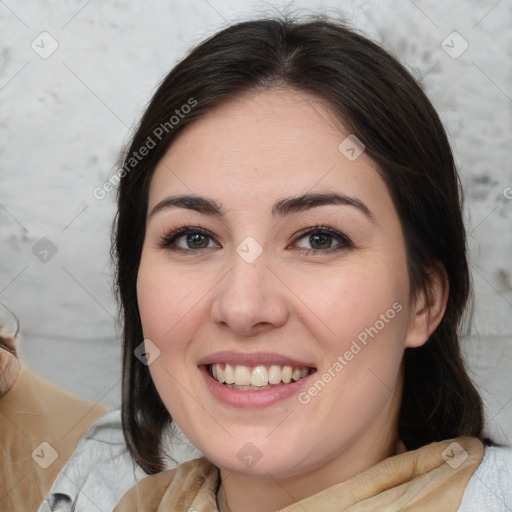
<point>376,99</point>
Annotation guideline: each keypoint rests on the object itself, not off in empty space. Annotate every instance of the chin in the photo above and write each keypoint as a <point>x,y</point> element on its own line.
<point>262,457</point>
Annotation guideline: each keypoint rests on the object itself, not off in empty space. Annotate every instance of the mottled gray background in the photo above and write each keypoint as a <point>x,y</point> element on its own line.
<point>65,117</point>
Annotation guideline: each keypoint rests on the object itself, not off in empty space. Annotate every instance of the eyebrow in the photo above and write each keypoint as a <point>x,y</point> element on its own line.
<point>280,209</point>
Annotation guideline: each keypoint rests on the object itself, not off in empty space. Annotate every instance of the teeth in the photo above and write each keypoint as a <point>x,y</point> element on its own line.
<point>259,376</point>
<point>229,374</point>
<point>220,374</point>
<point>286,374</point>
<point>242,376</point>
<point>274,374</point>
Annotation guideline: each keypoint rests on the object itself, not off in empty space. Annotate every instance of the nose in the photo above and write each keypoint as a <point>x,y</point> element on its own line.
<point>250,299</point>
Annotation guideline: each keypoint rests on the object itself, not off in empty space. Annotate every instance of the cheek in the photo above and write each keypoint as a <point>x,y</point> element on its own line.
<point>167,299</point>
<point>359,318</point>
<point>341,305</point>
<point>169,304</point>
<point>360,323</point>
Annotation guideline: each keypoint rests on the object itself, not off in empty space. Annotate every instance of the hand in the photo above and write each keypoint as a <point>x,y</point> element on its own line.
<point>9,362</point>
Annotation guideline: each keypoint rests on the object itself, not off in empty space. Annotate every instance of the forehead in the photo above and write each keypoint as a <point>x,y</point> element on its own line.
<point>264,145</point>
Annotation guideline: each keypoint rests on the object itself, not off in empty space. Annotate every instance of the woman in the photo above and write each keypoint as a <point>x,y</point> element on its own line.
<point>290,247</point>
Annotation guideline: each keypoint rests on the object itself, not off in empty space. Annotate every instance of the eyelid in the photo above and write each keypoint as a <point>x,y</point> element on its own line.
<point>167,240</point>
<point>342,238</point>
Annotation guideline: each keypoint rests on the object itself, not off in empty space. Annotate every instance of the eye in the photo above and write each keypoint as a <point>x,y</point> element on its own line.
<point>322,239</point>
<point>188,239</point>
<point>317,239</point>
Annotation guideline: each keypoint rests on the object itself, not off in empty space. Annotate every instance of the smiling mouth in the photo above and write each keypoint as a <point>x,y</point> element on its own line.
<point>257,378</point>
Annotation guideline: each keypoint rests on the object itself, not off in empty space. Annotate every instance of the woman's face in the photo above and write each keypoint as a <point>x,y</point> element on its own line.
<point>287,278</point>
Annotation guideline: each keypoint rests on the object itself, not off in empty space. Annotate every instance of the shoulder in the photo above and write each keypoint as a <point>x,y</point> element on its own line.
<point>490,487</point>
<point>180,485</point>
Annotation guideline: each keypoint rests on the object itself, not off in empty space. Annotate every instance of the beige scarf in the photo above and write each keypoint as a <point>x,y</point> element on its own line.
<point>430,479</point>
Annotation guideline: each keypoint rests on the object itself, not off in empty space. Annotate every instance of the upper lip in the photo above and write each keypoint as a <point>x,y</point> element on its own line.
<point>253,359</point>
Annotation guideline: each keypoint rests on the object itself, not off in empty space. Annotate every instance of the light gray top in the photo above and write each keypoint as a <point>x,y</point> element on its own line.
<point>98,473</point>
<point>490,487</point>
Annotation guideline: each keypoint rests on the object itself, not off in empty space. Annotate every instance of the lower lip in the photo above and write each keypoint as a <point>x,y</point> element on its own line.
<point>247,399</point>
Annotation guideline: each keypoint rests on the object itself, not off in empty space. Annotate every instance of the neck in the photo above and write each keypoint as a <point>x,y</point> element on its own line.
<point>246,493</point>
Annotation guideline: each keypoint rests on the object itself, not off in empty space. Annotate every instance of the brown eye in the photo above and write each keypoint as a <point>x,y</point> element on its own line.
<point>196,241</point>
<point>188,239</point>
<point>322,240</point>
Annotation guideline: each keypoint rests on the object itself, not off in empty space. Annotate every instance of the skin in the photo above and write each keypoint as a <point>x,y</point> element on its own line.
<point>246,154</point>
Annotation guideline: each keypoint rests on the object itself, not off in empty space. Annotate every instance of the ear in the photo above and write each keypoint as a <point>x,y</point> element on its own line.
<point>428,309</point>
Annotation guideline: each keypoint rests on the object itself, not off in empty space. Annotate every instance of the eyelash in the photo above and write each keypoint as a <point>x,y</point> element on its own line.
<point>167,241</point>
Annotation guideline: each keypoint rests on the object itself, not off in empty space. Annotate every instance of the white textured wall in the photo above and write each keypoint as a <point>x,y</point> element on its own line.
<point>65,117</point>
